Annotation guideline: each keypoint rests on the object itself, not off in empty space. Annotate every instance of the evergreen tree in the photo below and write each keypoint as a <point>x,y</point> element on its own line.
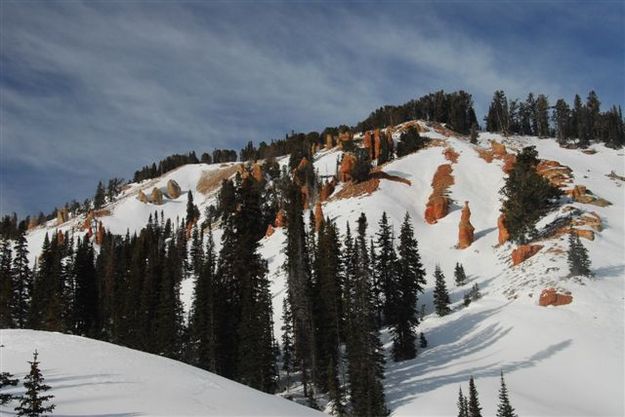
<point>410,141</point>
<point>527,196</point>
<point>86,291</point>
<point>562,121</point>
<point>473,134</point>
<point>410,282</point>
<point>498,119</point>
<point>474,409</point>
<point>423,343</point>
<point>33,403</point>
<point>22,282</point>
<point>364,350</point>
<point>462,405</point>
<point>386,271</point>
<point>193,213</point>
<point>197,251</point>
<point>504,409</point>
<point>441,297</point>
<point>100,196</point>
<point>542,116</point>
<point>7,380</point>
<point>459,275</point>
<point>7,301</point>
<point>577,257</point>
<point>288,350</point>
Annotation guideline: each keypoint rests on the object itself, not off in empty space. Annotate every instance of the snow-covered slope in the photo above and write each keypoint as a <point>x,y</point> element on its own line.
<point>565,360</point>
<point>92,378</point>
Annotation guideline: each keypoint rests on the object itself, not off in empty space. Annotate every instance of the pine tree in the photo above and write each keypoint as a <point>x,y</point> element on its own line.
<point>577,257</point>
<point>474,409</point>
<point>193,213</point>
<point>86,291</point>
<point>386,271</point>
<point>459,275</point>
<point>542,116</point>
<point>7,300</point>
<point>473,134</point>
<point>423,343</point>
<point>288,350</point>
<point>22,282</point>
<point>498,118</point>
<point>7,380</point>
<point>504,409</point>
<point>100,196</point>
<point>33,403</point>
<point>527,196</point>
<point>462,405</point>
<point>411,279</point>
<point>441,296</point>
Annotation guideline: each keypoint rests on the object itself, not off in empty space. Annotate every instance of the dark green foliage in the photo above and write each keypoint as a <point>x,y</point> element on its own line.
<point>410,281</point>
<point>463,410</point>
<point>48,303</point>
<point>22,282</point>
<point>474,409</point>
<point>288,350</point>
<point>472,295</point>
<point>100,196</point>
<point>542,116</point>
<point>177,160</point>
<point>441,296</point>
<point>473,134</point>
<point>85,307</point>
<point>459,275</point>
<point>386,271</point>
<point>498,118</point>
<point>364,350</point>
<point>7,299</point>
<point>193,213</point>
<point>7,380</point>
<point>362,167</point>
<point>504,409</point>
<point>33,403</point>
<point>561,119</point>
<point>423,343</point>
<point>577,257</point>
<point>527,196</point>
<point>410,141</point>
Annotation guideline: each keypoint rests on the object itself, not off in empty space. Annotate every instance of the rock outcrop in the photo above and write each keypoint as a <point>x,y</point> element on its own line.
<point>451,155</point>
<point>437,206</point>
<point>504,235</point>
<point>550,297</point>
<point>157,196</point>
<point>347,166</point>
<point>257,172</point>
<point>173,189</point>
<point>142,197</point>
<point>581,194</point>
<point>318,216</point>
<point>557,174</point>
<point>465,228</point>
<point>524,252</point>
<point>326,190</point>
<point>367,143</point>
<point>498,149</point>
<point>99,236</point>
<point>509,160</point>
<point>62,215</point>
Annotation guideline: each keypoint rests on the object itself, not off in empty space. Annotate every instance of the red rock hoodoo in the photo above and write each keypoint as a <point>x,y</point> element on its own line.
<point>524,252</point>
<point>318,216</point>
<point>465,228</point>
<point>347,165</point>
<point>504,235</point>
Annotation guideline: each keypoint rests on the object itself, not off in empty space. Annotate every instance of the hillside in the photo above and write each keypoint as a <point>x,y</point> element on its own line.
<point>564,360</point>
<point>93,378</point>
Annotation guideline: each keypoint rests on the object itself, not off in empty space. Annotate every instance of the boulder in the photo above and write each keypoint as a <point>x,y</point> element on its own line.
<point>347,166</point>
<point>88,220</point>
<point>173,189</point>
<point>318,216</point>
<point>377,137</point>
<point>504,235</point>
<point>157,196</point>
<point>465,228</point>
<point>557,174</point>
<point>280,219</point>
<point>142,197</point>
<point>436,208</point>
<point>524,252</point>
<point>550,297</point>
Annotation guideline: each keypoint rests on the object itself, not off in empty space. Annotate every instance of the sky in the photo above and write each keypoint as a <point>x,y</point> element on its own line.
<point>98,89</point>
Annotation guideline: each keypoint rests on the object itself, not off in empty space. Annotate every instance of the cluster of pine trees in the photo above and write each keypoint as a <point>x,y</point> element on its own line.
<point>470,406</point>
<point>575,125</point>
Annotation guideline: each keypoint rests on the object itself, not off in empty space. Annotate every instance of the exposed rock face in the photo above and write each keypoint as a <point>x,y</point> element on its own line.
<point>99,236</point>
<point>257,172</point>
<point>504,235</point>
<point>142,197</point>
<point>437,206</point>
<point>88,220</point>
<point>157,196</point>
<point>557,174</point>
<point>581,194</point>
<point>367,143</point>
<point>326,190</point>
<point>524,252</point>
<point>465,228</point>
<point>498,149</point>
<point>375,148</point>
<point>173,189</point>
<point>318,216</point>
<point>347,166</point>
<point>62,216</point>
<point>550,297</point>
<point>451,155</point>
<point>509,160</point>
<point>280,219</point>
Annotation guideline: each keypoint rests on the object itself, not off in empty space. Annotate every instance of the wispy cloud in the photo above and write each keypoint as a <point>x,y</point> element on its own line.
<point>97,89</point>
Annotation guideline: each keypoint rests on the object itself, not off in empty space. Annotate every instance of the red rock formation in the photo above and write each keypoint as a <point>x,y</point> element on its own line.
<point>99,236</point>
<point>465,228</point>
<point>377,144</point>
<point>173,189</point>
<point>305,190</point>
<point>509,160</point>
<point>88,220</point>
<point>142,197</point>
<point>437,208</point>
<point>303,164</point>
<point>524,252</point>
<point>32,223</point>
<point>504,235</point>
<point>62,216</point>
<point>451,155</point>
<point>347,165</point>
<point>498,149</point>
<point>550,297</point>
<point>367,143</point>
<point>557,174</point>
<point>377,137</point>
<point>280,219</point>
<point>257,172</point>
<point>318,216</point>
<point>326,190</point>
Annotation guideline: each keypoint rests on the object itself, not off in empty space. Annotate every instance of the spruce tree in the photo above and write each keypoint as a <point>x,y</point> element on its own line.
<point>459,275</point>
<point>410,282</point>
<point>288,350</point>
<point>100,196</point>
<point>441,296</point>
<point>33,403</point>
<point>22,282</point>
<point>474,409</point>
<point>7,300</point>
<point>527,196</point>
<point>423,343</point>
<point>504,409</point>
<point>497,119</point>
<point>7,380</point>
<point>86,291</point>
<point>386,271</point>
<point>462,404</point>
<point>577,257</point>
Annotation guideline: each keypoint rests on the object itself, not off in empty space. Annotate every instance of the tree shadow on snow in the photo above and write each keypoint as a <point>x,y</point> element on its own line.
<point>609,271</point>
<point>406,380</point>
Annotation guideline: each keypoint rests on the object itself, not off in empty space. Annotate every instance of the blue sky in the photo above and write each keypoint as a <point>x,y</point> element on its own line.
<point>98,89</point>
